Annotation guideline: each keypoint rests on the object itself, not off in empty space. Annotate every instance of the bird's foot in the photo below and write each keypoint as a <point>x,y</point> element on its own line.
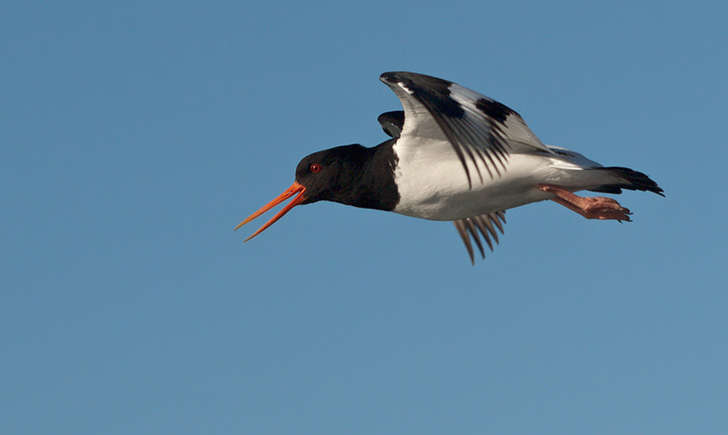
<point>597,207</point>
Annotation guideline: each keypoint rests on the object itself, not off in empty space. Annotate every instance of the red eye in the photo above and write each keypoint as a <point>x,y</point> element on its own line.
<point>315,168</point>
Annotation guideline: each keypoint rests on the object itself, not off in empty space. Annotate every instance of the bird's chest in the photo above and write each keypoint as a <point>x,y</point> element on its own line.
<point>434,185</point>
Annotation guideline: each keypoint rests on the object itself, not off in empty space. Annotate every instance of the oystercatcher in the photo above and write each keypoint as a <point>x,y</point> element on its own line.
<point>456,155</point>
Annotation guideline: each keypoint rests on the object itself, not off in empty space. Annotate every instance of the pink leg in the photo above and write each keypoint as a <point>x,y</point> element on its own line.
<point>597,207</point>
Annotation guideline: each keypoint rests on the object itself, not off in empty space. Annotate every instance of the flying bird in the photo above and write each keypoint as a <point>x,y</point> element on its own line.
<point>456,155</point>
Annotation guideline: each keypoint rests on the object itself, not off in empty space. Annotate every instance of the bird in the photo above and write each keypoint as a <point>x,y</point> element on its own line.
<point>456,155</point>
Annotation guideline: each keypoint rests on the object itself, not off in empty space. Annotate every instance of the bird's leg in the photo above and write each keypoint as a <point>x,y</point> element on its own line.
<point>597,207</point>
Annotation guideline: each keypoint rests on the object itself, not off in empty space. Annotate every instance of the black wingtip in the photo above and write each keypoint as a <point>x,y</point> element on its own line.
<point>478,226</point>
<point>460,226</point>
<point>386,76</point>
<point>391,77</point>
<point>392,122</point>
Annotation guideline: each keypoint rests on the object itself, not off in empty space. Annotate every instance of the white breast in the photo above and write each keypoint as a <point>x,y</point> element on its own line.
<point>432,183</point>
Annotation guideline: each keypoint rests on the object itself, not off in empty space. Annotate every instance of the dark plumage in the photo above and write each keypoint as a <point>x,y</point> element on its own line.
<point>456,155</point>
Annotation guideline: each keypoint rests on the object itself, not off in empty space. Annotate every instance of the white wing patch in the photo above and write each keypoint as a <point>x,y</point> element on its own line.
<point>513,128</point>
<point>482,132</point>
<point>406,89</point>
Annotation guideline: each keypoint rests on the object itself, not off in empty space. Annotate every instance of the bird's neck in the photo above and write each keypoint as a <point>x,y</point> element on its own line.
<point>371,183</point>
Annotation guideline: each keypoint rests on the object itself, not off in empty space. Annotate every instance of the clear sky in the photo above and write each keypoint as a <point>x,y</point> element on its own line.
<point>134,136</point>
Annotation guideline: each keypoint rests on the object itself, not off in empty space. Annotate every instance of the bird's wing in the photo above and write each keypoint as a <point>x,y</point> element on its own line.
<point>475,126</point>
<point>392,122</point>
<point>485,224</point>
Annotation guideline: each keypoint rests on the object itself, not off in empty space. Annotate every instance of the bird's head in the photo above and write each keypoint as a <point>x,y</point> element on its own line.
<point>323,175</point>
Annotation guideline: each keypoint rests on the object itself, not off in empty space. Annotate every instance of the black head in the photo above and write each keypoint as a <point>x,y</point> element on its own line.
<point>332,174</point>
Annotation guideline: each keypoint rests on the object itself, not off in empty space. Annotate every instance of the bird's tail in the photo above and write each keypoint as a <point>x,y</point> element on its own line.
<point>625,178</point>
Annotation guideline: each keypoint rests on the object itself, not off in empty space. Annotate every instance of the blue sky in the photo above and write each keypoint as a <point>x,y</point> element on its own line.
<point>134,137</point>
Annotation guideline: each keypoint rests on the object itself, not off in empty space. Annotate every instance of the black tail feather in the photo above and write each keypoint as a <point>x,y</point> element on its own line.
<point>634,180</point>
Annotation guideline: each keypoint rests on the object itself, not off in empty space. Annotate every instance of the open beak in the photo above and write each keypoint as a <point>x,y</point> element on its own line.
<point>295,188</point>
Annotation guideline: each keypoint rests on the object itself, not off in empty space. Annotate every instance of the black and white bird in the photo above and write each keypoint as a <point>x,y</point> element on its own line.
<point>456,155</point>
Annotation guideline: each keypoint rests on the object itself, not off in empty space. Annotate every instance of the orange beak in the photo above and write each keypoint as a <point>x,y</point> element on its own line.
<point>295,188</point>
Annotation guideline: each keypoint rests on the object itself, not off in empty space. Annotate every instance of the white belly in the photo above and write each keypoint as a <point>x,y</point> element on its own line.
<point>438,189</point>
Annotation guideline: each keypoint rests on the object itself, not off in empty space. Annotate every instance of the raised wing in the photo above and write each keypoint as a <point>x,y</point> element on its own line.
<point>392,122</point>
<point>485,224</point>
<point>476,126</point>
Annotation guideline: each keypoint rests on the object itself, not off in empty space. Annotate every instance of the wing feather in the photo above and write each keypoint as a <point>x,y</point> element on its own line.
<point>477,226</point>
<point>476,127</point>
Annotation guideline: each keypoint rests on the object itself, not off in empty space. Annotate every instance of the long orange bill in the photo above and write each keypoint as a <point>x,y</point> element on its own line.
<point>295,188</point>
